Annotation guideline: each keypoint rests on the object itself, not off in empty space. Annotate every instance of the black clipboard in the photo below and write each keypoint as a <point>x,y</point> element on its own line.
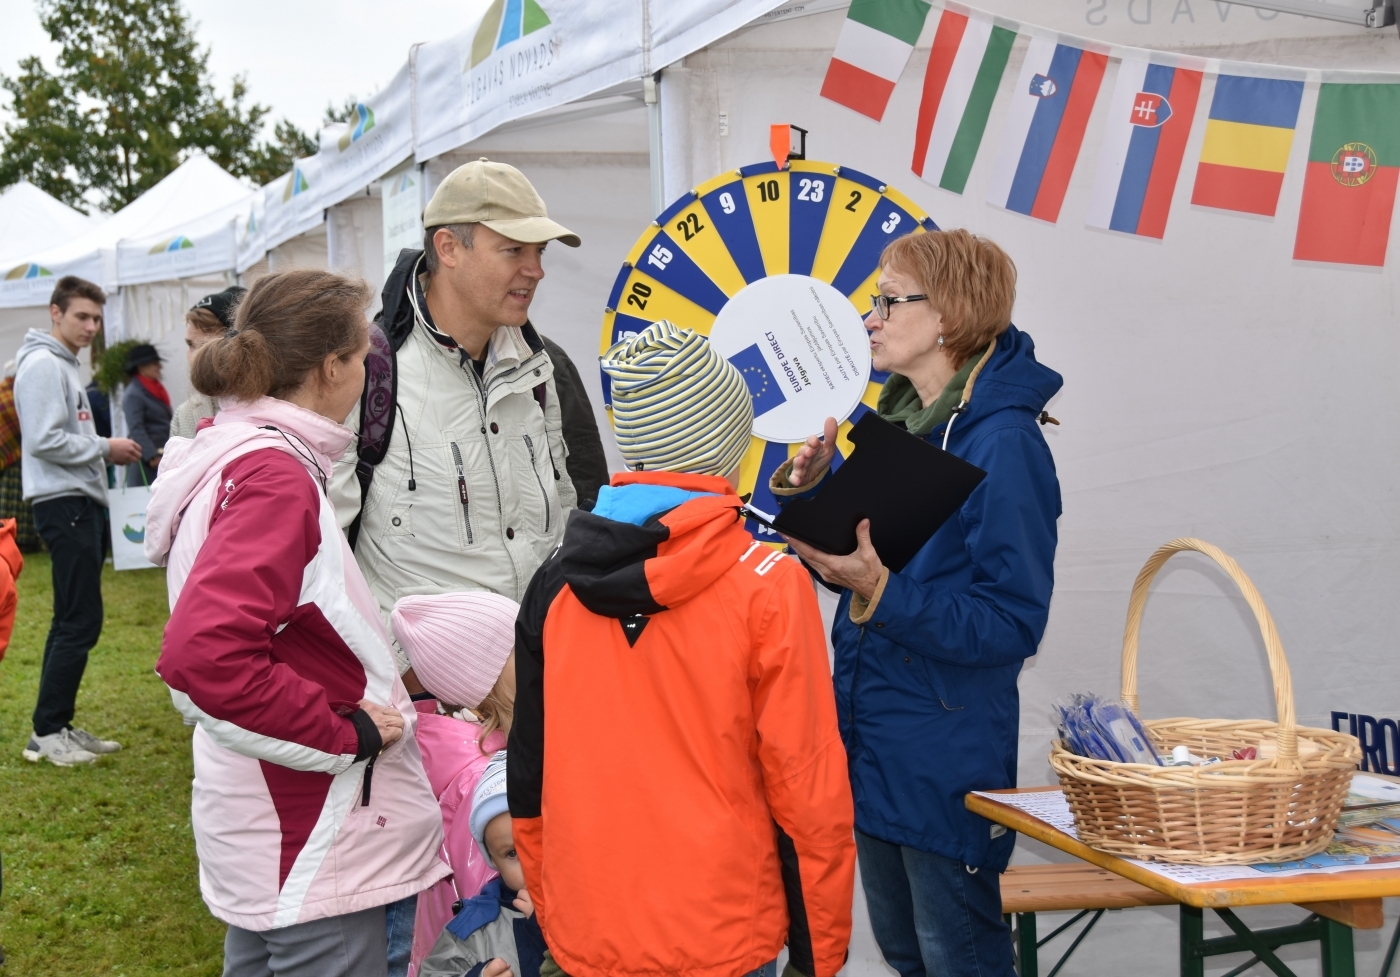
<point>904,485</point>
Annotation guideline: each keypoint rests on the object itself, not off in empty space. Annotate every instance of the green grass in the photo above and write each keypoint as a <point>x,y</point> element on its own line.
<point>100,870</point>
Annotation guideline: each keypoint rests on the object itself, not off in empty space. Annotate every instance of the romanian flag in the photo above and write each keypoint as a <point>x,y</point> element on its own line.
<point>1353,162</point>
<point>1045,125</point>
<point>964,71</point>
<point>1144,142</point>
<point>875,43</point>
<point>1249,134</point>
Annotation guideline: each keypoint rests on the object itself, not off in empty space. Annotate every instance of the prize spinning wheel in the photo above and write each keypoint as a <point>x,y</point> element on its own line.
<point>776,267</point>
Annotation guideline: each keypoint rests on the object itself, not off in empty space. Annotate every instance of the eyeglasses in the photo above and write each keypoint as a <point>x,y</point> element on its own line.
<point>880,304</point>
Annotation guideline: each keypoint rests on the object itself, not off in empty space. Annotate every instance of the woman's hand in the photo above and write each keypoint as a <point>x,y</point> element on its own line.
<point>859,571</point>
<point>524,903</point>
<point>814,457</point>
<point>387,720</point>
<point>496,967</point>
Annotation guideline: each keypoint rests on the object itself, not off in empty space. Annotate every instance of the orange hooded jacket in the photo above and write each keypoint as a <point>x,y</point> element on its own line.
<point>676,777</point>
<point>11,563</point>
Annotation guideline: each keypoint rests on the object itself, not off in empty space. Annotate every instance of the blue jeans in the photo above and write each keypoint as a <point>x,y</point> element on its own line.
<point>932,916</point>
<point>769,969</point>
<point>398,927</point>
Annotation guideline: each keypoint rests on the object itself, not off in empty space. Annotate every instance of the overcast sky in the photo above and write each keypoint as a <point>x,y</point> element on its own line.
<point>298,55</point>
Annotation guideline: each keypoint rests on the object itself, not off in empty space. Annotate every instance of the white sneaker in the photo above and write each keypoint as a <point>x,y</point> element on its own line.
<point>92,744</point>
<point>59,748</point>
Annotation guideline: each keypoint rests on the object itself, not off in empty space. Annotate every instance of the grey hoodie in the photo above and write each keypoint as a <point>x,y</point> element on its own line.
<point>62,453</point>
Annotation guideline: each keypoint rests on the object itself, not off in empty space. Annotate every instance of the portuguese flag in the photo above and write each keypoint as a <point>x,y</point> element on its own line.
<point>1353,165</point>
<point>875,43</point>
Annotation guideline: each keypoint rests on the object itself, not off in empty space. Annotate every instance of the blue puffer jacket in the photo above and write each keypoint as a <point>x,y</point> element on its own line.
<point>926,689</point>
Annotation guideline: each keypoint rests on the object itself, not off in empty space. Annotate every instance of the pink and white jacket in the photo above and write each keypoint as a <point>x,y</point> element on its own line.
<point>273,639</point>
<point>453,757</point>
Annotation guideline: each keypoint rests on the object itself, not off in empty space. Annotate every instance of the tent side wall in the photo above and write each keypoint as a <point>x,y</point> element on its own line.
<point>1214,387</point>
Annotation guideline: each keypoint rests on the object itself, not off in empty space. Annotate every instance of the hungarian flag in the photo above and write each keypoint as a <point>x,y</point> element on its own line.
<point>1353,162</point>
<point>964,71</point>
<point>874,47</point>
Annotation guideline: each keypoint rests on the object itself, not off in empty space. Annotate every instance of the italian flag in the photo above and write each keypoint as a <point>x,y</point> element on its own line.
<point>874,47</point>
<point>1353,163</point>
<point>964,70</point>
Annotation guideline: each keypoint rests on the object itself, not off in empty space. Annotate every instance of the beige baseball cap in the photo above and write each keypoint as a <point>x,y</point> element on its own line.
<point>499,196</point>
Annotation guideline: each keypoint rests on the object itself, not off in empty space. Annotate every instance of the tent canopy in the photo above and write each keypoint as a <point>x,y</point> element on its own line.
<point>32,221</point>
<point>196,187</point>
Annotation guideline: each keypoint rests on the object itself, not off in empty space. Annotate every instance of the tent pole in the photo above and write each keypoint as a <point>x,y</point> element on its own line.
<point>651,90</point>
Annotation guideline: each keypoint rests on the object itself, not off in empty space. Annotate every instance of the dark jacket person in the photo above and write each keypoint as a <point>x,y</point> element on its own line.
<point>146,405</point>
<point>927,658</point>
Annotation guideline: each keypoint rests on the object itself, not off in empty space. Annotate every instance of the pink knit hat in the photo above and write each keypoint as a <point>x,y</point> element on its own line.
<point>458,643</point>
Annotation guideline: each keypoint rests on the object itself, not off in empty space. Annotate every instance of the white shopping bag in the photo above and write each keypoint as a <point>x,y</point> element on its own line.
<point>127,513</point>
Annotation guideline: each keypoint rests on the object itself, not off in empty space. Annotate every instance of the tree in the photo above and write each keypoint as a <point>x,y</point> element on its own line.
<point>130,99</point>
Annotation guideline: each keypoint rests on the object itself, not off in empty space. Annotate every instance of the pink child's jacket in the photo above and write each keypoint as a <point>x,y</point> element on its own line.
<point>273,638</point>
<point>453,758</point>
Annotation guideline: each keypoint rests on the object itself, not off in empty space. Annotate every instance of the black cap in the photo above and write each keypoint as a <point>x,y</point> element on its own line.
<point>222,304</point>
<point>139,355</point>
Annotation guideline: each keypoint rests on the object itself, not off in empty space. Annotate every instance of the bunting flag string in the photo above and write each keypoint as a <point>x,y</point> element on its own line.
<point>1353,166</point>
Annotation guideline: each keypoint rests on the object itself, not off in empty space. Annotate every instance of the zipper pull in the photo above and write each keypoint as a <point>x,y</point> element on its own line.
<point>462,489</point>
<point>369,775</point>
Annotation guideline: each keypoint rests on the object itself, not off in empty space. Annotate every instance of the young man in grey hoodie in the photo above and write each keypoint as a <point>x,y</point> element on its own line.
<point>65,477</point>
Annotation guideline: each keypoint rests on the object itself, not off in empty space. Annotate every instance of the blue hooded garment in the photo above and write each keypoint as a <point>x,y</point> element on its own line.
<point>926,689</point>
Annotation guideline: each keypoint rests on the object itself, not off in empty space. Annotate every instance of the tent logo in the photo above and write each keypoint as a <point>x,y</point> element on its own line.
<point>401,184</point>
<point>30,270</point>
<point>180,243</point>
<point>506,21</point>
<point>296,184</point>
<point>363,120</point>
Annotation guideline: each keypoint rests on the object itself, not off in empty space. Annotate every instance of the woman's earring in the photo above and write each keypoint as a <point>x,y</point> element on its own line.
<point>940,340</point>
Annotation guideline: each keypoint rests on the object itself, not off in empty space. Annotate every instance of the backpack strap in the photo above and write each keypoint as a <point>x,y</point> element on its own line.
<point>376,415</point>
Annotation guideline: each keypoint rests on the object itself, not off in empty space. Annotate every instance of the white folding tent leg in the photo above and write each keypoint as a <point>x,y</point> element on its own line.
<point>651,94</point>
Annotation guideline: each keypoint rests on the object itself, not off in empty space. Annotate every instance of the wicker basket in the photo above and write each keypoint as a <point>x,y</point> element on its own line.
<point>1229,813</point>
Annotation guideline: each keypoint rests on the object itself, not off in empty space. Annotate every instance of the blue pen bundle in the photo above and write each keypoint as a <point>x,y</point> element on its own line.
<point>1102,729</point>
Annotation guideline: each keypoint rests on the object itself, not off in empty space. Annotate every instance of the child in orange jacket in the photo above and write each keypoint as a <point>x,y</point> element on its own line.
<point>11,563</point>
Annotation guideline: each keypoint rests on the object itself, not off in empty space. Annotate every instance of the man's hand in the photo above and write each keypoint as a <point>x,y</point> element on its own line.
<point>123,451</point>
<point>524,903</point>
<point>387,720</point>
<point>814,457</point>
<point>859,571</point>
<point>496,968</point>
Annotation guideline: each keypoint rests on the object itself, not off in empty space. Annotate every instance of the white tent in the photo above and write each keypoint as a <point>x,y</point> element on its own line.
<point>32,221</point>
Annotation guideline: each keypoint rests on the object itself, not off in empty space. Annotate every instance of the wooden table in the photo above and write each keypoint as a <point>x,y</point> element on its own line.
<point>1341,901</point>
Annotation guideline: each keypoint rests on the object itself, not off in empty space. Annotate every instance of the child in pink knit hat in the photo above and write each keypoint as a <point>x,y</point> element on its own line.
<point>462,647</point>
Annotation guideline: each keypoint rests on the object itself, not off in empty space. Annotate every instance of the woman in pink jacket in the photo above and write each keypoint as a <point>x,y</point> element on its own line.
<point>311,810</point>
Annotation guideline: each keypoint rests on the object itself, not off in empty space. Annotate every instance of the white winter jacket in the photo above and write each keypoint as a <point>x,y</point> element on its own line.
<point>491,485</point>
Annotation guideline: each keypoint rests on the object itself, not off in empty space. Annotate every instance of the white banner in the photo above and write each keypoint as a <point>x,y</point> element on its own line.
<point>205,246</point>
<point>357,152</point>
<point>402,200</point>
<point>522,57</point>
<point>31,283</point>
<point>291,203</point>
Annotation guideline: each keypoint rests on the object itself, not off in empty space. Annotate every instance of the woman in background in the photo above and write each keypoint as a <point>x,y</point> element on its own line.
<point>146,405</point>
<point>207,320</point>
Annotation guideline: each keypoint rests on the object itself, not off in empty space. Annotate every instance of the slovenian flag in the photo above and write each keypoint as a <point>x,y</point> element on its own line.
<point>1144,142</point>
<point>875,43</point>
<point>1353,162</point>
<point>964,71</point>
<point>1045,124</point>
<point>1249,135</point>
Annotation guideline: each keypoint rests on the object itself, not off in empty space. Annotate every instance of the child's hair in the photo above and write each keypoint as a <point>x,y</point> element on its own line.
<point>496,711</point>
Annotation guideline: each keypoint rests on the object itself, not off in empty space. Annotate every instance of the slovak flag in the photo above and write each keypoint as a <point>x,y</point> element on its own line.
<point>1150,110</point>
<point>1149,120</point>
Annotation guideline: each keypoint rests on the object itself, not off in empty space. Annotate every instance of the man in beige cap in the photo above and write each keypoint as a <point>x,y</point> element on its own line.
<point>463,482</point>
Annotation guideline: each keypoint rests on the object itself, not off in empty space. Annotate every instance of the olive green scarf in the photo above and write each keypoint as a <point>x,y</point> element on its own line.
<point>900,404</point>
